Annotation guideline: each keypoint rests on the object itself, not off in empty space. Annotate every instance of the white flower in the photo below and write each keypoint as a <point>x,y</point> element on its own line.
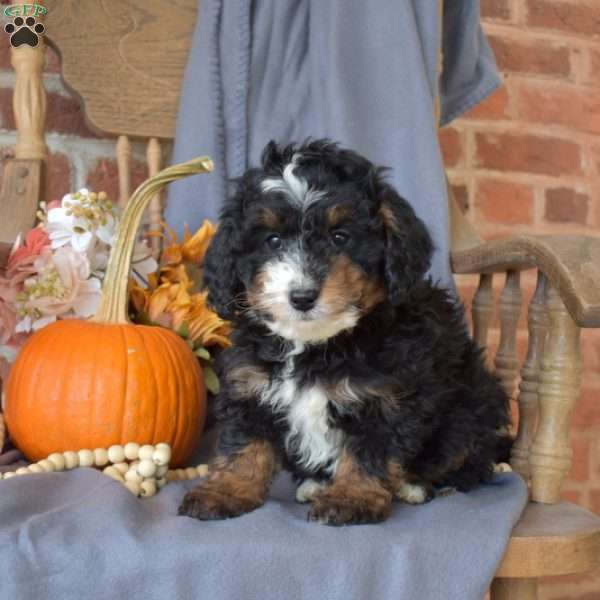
<point>88,299</point>
<point>107,233</point>
<point>81,220</point>
<point>65,229</point>
<point>29,323</point>
<point>24,325</point>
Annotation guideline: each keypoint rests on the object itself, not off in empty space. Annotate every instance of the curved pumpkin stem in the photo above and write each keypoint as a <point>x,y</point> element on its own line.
<point>114,299</point>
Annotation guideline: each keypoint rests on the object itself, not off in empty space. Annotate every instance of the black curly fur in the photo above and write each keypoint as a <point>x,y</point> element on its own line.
<point>444,423</point>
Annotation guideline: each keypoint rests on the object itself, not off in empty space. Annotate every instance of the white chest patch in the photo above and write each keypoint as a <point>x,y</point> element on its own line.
<point>310,440</point>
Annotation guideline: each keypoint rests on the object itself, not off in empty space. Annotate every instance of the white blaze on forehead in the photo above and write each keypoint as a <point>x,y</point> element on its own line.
<point>293,186</point>
<point>288,183</point>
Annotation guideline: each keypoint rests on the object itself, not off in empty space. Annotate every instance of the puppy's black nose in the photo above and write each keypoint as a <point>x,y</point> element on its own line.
<point>303,299</point>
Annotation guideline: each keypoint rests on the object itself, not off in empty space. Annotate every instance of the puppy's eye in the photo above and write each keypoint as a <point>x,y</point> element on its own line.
<point>340,238</point>
<point>274,242</point>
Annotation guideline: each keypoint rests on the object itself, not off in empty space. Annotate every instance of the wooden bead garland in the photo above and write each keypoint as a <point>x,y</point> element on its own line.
<point>86,458</point>
<point>138,476</point>
<point>58,460</point>
<point>146,472</point>
<point>71,459</point>
<point>131,450</point>
<point>502,468</point>
<point>116,454</point>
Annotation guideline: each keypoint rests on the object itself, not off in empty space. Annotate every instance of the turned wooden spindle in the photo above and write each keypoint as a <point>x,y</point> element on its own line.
<point>558,389</point>
<point>537,321</point>
<point>29,98</point>
<point>154,160</point>
<point>123,150</point>
<point>506,362</point>
<point>483,309</point>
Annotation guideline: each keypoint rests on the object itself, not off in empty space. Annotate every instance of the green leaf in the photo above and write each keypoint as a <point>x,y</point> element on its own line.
<point>211,380</point>
<point>202,352</point>
<point>190,343</point>
<point>184,330</point>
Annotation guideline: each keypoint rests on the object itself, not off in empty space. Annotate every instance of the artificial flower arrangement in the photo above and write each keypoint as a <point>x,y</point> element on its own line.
<point>115,343</point>
<point>56,271</point>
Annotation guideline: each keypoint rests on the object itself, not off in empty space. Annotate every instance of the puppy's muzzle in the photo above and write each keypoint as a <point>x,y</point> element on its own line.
<point>304,299</point>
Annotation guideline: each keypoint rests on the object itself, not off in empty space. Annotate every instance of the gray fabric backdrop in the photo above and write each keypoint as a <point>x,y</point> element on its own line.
<point>363,73</point>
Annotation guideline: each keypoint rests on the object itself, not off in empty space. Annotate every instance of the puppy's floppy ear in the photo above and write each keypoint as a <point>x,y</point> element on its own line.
<point>220,275</point>
<point>408,244</point>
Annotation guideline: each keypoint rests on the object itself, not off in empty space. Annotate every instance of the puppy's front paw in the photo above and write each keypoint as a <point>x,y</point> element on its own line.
<point>339,510</point>
<point>208,504</point>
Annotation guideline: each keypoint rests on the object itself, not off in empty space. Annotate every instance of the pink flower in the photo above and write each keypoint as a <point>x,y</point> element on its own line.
<point>35,241</point>
<point>63,288</point>
<point>21,263</point>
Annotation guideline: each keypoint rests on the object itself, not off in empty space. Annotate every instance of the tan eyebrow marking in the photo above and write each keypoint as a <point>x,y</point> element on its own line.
<point>388,218</point>
<point>269,218</point>
<point>336,214</point>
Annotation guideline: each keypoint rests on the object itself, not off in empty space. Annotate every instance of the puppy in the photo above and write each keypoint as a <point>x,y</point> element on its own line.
<point>348,366</point>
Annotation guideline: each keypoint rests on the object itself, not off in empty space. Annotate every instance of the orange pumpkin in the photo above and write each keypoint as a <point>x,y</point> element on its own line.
<point>91,384</point>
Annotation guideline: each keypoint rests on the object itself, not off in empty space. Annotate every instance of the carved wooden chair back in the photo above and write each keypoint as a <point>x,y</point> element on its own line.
<point>125,60</point>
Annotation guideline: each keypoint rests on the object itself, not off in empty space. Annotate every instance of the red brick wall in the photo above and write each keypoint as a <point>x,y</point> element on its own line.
<point>528,160</point>
<point>79,155</point>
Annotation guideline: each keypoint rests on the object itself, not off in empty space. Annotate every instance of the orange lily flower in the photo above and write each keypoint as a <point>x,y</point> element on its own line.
<point>171,298</point>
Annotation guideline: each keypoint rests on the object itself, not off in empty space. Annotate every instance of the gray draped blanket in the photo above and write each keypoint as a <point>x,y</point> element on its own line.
<point>364,73</point>
<point>83,536</point>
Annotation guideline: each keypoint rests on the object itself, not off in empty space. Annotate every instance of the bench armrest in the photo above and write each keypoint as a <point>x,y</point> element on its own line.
<point>570,262</point>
